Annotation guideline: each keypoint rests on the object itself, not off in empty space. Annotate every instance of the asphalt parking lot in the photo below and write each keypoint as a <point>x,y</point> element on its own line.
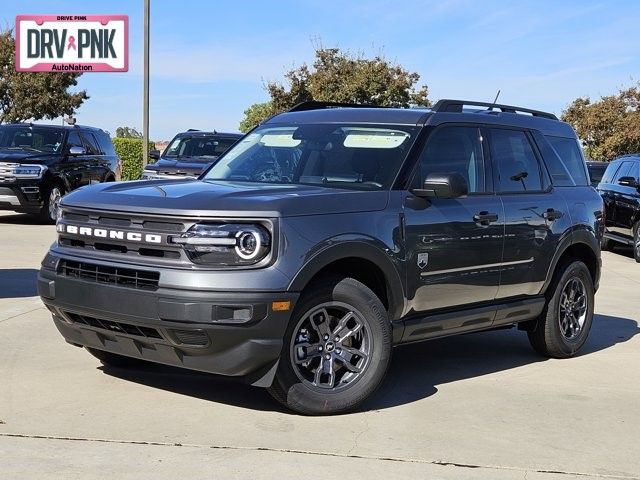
<point>480,406</point>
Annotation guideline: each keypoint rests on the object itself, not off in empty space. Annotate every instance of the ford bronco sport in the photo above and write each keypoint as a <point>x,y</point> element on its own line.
<point>40,163</point>
<point>328,235</point>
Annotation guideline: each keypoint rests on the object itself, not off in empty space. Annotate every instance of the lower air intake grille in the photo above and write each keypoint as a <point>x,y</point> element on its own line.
<point>191,337</point>
<point>112,326</point>
<point>125,277</point>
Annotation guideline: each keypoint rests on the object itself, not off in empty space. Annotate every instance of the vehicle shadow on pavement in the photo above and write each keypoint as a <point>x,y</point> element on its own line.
<point>417,369</point>
<point>21,219</point>
<point>18,282</point>
<point>415,372</point>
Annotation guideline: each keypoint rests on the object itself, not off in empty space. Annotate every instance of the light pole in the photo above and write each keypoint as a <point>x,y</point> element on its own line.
<point>145,90</point>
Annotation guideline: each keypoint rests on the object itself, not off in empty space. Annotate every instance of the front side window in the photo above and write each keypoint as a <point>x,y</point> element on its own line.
<point>186,147</point>
<point>328,155</point>
<point>623,171</point>
<point>31,139</point>
<point>454,150</point>
<point>517,168</point>
<point>610,172</point>
<point>74,140</point>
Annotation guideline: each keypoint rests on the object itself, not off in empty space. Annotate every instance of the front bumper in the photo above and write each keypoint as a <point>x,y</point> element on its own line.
<point>23,195</point>
<point>236,334</point>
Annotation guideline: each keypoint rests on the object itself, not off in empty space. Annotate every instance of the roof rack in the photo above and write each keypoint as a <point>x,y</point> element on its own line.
<point>448,105</point>
<point>315,105</point>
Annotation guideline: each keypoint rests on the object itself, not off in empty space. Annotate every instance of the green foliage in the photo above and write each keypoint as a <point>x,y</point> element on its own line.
<point>130,152</point>
<point>30,95</point>
<point>338,76</point>
<point>255,114</point>
<point>609,127</point>
<point>127,132</point>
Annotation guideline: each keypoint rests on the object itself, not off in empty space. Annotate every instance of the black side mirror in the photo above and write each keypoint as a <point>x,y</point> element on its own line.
<point>628,182</point>
<point>443,185</point>
<point>155,154</point>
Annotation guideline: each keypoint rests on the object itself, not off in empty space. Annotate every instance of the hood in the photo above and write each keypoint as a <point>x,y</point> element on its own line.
<point>24,156</point>
<point>225,199</point>
<point>187,166</point>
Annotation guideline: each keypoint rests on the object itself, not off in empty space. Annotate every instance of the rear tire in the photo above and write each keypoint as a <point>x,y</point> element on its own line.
<point>336,349</point>
<point>564,325</point>
<point>109,359</point>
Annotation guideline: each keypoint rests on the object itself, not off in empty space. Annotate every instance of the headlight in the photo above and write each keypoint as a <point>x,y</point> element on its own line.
<point>226,244</point>
<point>28,171</point>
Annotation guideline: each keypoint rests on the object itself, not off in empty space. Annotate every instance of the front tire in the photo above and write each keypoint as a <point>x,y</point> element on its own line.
<point>336,349</point>
<point>564,325</point>
<point>636,242</point>
<point>49,211</point>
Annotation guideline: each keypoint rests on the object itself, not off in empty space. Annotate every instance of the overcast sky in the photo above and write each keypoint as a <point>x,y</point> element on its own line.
<point>209,59</point>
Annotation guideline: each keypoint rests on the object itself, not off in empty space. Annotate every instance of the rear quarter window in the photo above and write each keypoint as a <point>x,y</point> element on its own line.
<point>570,154</point>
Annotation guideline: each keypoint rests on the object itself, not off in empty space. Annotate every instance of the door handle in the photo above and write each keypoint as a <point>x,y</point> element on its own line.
<point>485,218</point>
<point>552,214</point>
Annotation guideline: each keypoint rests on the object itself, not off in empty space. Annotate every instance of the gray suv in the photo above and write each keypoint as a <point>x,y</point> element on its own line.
<point>330,234</point>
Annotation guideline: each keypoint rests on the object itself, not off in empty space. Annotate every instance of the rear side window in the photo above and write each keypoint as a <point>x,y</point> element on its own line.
<point>569,153</point>
<point>517,168</point>
<point>610,172</point>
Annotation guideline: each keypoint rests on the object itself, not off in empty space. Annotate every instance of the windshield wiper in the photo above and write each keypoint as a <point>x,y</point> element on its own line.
<point>28,149</point>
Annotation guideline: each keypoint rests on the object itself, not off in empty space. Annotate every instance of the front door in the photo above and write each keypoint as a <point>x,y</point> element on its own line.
<point>454,246</point>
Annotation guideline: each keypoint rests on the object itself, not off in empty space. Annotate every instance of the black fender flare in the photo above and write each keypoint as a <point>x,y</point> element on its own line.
<point>579,235</point>
<point>356,249</point>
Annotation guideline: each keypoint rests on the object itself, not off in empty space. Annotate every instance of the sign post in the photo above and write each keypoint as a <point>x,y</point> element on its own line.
<point>145,93</point>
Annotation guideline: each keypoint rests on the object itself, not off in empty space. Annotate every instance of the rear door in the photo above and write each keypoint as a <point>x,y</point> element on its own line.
<point>536,215</point>
<point>454,246</point>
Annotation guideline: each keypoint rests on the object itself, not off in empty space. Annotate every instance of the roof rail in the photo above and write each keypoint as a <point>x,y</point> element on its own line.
<point>448,105</point>
<point>315,105</point>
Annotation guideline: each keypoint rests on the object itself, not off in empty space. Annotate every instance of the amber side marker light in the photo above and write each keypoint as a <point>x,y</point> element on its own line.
<point>280,306</point>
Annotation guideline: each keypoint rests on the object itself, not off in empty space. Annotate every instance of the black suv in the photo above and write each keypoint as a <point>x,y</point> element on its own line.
<point>326,236</point>
<point>620,188</point>
<point>188,155</point>
<point>40,163</point>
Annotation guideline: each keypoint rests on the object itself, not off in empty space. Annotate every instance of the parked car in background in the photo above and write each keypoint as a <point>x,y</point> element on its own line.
<point>188,154</point>
<point>620,189</point>
<point>596,171</point>
<point>40,163</point>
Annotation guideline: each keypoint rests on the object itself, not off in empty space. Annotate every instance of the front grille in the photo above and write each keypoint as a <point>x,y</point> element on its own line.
<point>137,251</point>
<point>6,171</point>
<point>111,326</point>
<point>125,277</point>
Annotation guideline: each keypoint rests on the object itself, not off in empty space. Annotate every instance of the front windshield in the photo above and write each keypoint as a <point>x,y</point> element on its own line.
<point>186,147</point>
<point>32,139</point>
<point>338,156</point>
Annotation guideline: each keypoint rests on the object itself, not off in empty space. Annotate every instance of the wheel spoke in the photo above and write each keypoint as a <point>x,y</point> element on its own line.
<point>325,371</point>
<point>347,332</point>
<point>342,323</point>
<point>320,322</point>
<point>309,351</point>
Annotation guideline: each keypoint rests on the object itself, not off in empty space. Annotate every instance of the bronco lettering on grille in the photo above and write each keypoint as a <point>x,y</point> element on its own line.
<point>110,234</point>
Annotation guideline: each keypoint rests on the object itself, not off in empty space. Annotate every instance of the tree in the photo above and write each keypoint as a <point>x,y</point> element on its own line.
<point>338,76</point>
<point>31,95</point>
<point>255,114</point>
<point>127,132</point>
<point>609,127</point>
